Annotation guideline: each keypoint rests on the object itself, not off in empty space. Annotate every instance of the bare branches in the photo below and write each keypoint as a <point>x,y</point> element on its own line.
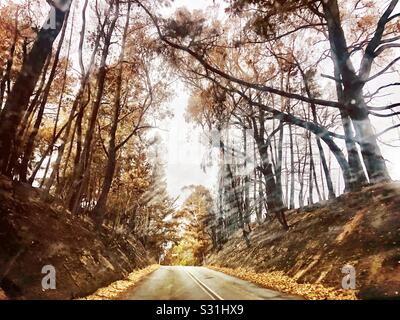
<point>388,129</point>
<point>391,64</point>
<point>392,106</point>
<point>372,50</point>
<point>201,59</point>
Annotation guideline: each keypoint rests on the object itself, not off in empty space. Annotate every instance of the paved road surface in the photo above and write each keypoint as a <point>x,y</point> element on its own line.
<point>198,283</point>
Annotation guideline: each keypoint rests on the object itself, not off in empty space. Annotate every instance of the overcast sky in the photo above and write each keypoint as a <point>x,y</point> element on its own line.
<point>185,152</point>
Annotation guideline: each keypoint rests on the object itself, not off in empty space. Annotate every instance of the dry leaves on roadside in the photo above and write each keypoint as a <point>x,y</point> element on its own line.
<point>280,282</point>
<point>115,289</point>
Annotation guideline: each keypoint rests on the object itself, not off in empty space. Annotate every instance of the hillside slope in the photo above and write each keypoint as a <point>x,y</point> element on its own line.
<point>361,229</point>
<point>34,234</point>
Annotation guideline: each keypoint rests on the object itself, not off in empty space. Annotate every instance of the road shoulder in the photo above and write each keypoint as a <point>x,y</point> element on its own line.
<point>280,282</point>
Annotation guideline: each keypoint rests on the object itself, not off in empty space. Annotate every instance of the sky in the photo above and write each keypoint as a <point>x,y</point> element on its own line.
<point>185,151</point>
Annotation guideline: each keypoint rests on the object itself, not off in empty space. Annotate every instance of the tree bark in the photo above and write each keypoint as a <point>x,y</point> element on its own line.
<point>25,83</point>
<point>23,170</point>
<point>353,98</point>
<point>273,197</point>
<point>79,175</point>
<point>101,205</point>
<point>311,172</point>
<point>292,169</point>
<point>83,84</point>
<point>26,123</point>
<point>357,174</point>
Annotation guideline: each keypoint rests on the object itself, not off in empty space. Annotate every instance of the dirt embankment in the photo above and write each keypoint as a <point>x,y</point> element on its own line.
<point>34,234</point>
<point>360,229</point>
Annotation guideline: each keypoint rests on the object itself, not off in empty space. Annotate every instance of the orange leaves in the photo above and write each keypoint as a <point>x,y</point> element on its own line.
<point>366,22</point>
<point>193,219</point>
<point>280,282</point>
<point>119,287</point>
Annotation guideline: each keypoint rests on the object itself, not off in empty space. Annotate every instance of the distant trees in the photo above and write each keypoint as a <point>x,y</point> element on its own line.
<point>196,232</point>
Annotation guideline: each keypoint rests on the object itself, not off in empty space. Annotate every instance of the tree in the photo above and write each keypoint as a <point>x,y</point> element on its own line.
<point>24,85</point>
<point>196,223</point>
<point>354,105</point>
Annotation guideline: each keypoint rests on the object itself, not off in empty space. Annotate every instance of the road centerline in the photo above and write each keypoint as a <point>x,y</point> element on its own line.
<point>201,287</point>
<point>201,284</point>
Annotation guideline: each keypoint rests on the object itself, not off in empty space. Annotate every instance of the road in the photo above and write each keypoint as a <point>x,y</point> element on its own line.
<point>198,283</point>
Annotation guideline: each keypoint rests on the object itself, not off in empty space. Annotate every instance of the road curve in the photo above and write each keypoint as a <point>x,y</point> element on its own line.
<point>198,283</point>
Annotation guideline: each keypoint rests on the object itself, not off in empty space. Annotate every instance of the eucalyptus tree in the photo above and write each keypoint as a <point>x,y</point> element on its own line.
<point>18,99</point>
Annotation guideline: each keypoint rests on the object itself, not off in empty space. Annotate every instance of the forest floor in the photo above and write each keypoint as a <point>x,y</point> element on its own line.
<point>359,229</point>
<point>34,234</point>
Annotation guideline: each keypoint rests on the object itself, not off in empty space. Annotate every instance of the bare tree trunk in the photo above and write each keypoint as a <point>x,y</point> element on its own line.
<point>274,199</point>
<point>353,93</point>
<point>260,198</point>
<point>79,176</point>
<point>83,84</point>
<point>246,203</point>
<point>356,168</point>
<point>301,175</point>
<point>311,173</point>
<point>26,122</point>
<point>292,169</point>
<point>24,85</point>
<point>23,171</point>
<point>286,198</point>
<point>60,102</point>
<point>278,171</point>
<point>320,198</point>
<point>101,204</point>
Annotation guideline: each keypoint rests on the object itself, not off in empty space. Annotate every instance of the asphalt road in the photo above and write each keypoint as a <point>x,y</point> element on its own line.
<point>198,283</point>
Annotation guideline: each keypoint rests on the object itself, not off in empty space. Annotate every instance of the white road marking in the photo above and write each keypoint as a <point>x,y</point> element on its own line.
<point>203,286</point>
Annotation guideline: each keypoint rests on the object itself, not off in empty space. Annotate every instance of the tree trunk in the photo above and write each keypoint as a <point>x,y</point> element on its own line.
<point>278,169</point>
<point>101,204</point>
<point>356,169</point>
<point>273,197</point>
<point>83,83</point>
<point>26,122</point>
<point>79,176</point>
<point>246,203</point>
<point>25,83</point>
<point>260,199</point>
<point>292,169</point>
<point>311,173</point>
<point>23,171</point>
<point>353,98</point>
